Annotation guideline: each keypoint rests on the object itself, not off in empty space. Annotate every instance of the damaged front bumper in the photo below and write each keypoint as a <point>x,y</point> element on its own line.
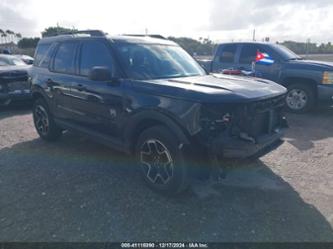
<point>239,148</point>
<point>250,130</point>
<point>22,95</point>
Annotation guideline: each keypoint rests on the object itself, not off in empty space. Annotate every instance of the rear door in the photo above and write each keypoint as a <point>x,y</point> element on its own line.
<point>225,57</point>
<point>247,57</point>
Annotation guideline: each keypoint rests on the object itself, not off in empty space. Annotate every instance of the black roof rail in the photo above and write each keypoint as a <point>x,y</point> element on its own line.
<point>91,32</point>
<point>152,36</point>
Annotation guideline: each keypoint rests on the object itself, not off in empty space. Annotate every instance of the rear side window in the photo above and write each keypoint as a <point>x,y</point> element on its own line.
<point>64,58</point>
<point>249,53</point>
<point>228,54</point>
<point>94,53</point>
<point>40,53</point>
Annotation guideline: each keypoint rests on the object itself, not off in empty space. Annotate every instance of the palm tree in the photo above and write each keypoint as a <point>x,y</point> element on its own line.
<point>18,36</point>
<point>4,36</point>
<point>10,34</point>
<point>1,33</point>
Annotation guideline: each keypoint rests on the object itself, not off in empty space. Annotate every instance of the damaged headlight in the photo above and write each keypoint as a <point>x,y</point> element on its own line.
<point>215,118</point>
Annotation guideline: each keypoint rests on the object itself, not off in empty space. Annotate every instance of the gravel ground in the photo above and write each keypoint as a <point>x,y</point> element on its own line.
<point>78,190</point>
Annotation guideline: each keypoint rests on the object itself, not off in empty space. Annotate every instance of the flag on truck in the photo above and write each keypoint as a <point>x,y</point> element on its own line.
<point>264,59</point>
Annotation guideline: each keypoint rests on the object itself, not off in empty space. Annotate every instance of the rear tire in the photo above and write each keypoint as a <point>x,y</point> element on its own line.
<point>44,123</point>
<point>161,161</point>
<point>300,98</point>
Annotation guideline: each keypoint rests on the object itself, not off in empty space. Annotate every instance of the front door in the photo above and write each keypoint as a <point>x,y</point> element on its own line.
<point>268,69</point>
<point>97,104</point>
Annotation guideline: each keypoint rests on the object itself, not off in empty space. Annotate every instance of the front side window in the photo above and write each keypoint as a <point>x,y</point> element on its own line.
<point>94,53</point>
<point>64,58</point>
<point>155,61</point>
<point>228,54</point>
<point>47,58</point>
<point>249,53</point>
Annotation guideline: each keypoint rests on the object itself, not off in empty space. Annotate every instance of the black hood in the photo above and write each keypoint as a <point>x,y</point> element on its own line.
<point>213,88</point>
<point>14,70</point>
<point>10,73</point>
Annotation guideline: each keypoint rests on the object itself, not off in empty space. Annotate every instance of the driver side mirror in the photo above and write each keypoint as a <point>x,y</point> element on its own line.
<point>100,74</point>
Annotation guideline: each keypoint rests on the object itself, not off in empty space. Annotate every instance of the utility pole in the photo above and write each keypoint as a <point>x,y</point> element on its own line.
<point>254,35</point>
<point>307,48</point>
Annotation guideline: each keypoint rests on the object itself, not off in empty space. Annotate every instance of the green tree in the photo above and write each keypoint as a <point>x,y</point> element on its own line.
<point>52,31</point>
<point>194,47</point>
<point>28,43</point>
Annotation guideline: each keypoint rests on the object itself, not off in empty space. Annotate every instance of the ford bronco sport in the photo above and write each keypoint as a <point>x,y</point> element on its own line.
<point>147,97</point>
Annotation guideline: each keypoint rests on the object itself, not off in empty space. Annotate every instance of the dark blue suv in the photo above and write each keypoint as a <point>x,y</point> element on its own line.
<point>147,97</point>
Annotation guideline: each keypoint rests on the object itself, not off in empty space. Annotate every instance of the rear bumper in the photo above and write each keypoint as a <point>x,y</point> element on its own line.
<point>325,94</point>
<point>238,148</point>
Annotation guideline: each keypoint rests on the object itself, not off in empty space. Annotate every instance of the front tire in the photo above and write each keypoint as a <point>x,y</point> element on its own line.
<point>300,98</point>
<point>162,163</point>
<point>44,123</point>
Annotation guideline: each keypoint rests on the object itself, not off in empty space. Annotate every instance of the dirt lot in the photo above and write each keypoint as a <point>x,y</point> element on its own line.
<point>78,190</point>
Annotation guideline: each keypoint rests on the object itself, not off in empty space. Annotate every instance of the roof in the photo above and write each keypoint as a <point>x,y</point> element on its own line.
<point>249,42</point>
<point>140,39</point>
<point>116,39</point>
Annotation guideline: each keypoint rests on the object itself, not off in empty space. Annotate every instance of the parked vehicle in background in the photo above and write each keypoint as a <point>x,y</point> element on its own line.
<point>26,58</point>
<point>11,60</point>
<point>147,97</point>
<point>5,51</point>
<point>14,84</point>
<point>309,82</point>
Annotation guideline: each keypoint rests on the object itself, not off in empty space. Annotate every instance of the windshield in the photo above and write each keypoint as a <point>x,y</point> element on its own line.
<point>286,53</point>
<point>152,61</point>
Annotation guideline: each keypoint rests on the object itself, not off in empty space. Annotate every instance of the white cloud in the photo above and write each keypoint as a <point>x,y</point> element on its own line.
<point>279,19</point>
<point>217,19</point>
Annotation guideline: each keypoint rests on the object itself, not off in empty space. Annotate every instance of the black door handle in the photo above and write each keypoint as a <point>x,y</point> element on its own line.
<point>80,87</point>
